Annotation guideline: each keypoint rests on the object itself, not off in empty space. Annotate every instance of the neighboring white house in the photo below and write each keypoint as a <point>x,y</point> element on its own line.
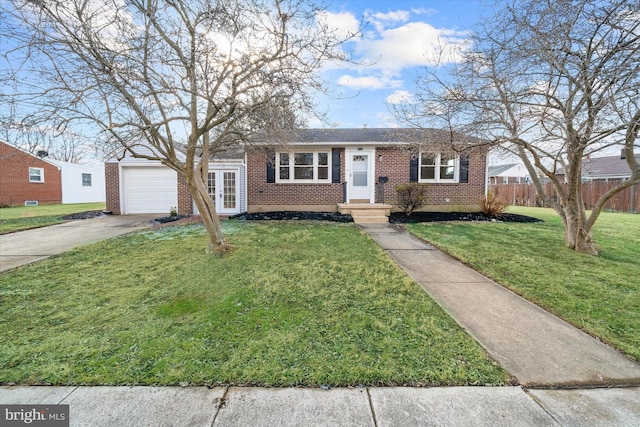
<point>82,183</point>
<point>513,173</point>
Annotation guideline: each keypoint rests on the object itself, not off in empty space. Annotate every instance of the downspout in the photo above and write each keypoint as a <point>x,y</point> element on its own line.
<point>246,185</point>
<point>486,175</point>
<point>121,188</point>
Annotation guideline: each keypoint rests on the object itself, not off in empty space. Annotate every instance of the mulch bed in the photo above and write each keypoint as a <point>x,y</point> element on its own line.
<point>83,215</point>
<point>289,215</point>
<point>402,218</point>
<point>397,218</point>
<point>166,219</point>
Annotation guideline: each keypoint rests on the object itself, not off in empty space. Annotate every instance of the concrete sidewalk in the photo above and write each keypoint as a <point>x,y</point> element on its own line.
<point>537,348</point>
<point>401,406</point>
<point>24,247</point>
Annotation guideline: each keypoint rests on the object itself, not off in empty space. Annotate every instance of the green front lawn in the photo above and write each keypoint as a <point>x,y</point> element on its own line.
<point>25,217</point>
<point>292,304</point>
<point>598,294</point>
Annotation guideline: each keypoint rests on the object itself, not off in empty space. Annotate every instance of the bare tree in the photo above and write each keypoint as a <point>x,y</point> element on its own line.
<point>553,82</point>
<point>191,76</point>
<point>32,131</point>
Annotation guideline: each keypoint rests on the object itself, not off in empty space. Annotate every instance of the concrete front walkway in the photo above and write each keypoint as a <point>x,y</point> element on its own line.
<point>401,406</point>
<point>537,348</point>
<point>24,247</point>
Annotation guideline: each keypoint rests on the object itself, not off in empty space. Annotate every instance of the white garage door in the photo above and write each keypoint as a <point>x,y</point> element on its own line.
<point>149,190</point>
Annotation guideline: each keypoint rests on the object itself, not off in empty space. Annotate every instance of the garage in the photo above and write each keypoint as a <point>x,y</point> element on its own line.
<point>149,189</point>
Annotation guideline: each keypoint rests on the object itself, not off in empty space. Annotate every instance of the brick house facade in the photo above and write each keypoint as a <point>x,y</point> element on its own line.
<point>314,171</point>
<point>264,196</point>
<point>395,163</point>
<point>25,177</point>
<point>394,155</point>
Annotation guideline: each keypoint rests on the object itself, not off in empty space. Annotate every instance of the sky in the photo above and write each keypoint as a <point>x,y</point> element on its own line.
<point>400,39</point>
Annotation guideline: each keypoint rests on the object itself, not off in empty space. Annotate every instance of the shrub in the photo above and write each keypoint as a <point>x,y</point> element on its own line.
<point>492,205</point>
<point>411,196</point>
<point>173,211</point>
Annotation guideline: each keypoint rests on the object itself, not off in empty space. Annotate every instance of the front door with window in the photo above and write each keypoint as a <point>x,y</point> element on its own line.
<point>360,184</point>
<point>223,190</point>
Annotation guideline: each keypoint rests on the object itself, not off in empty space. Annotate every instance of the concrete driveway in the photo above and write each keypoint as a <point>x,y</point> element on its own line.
<point>27,246</point>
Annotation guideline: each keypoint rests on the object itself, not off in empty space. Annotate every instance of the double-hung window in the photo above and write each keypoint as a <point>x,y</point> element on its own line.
<point>439,167</point>
<point>303,166</point>
<point>36,175</point>
<point>86,180</point>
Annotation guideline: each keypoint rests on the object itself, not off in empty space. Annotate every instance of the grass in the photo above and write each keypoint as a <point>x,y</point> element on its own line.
<point>598,294</point>
<point>26,217</point>
<point>292,304</point>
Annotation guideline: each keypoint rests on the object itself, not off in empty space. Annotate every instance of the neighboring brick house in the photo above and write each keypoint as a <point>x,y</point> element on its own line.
<point>27,178</point>
<point>322,170</point>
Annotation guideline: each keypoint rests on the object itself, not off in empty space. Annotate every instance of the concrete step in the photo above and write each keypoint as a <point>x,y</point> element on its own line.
<point>369,212</point>
<point>362,208</point>
<point>369,219</point>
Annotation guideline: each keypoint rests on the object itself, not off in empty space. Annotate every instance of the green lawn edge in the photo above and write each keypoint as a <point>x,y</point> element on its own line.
<point>293,304</point>
<point>21,218</point>
<point>600,295</point>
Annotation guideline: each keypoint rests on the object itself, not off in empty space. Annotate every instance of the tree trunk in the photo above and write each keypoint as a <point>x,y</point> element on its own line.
<point>577,236</point>
<point>207,209</point>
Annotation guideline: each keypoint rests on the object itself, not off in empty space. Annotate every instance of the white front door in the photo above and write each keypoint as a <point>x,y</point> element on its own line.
<point>223,190</point>
<point>360,172</point>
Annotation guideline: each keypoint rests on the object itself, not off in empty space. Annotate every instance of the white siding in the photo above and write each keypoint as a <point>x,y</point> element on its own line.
<point>72,189</point>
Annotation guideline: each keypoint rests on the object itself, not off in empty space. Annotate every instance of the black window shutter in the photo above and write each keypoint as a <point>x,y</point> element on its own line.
<point>464,168</point>
<point>271,166</point>
<point>335,165</point>
<point>413,169</point>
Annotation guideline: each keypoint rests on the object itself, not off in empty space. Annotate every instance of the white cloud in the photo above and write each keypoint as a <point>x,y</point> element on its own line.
<point>345,24</point>
<point>413,44</point>
<point>368,82</point>
<point>393,16</point>
<point>394,42</point>
<point>380,20</point>
<point>423,11</point>
<point>400,97</point>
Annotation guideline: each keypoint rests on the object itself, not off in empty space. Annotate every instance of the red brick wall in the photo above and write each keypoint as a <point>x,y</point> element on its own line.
<point>185,201</point>
<point>394,163</point>
<point>261,193</point>
<point>15,187</point>
<point>112,182</point>
<point>390,162</point>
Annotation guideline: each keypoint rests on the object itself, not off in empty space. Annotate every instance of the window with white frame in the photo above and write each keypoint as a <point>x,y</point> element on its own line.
<point>439,167</point>
<point>36,175</point>
<point>86,180</point>
<point>303,166</point>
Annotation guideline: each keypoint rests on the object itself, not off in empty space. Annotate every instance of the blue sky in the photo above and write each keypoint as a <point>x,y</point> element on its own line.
<point>401,38</point>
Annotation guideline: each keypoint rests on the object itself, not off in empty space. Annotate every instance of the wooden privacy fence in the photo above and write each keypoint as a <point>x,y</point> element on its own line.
<point>627,200</point>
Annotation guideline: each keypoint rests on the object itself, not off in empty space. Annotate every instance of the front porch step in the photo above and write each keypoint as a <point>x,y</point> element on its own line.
<point>366,213</point>
<point>369,219</point>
